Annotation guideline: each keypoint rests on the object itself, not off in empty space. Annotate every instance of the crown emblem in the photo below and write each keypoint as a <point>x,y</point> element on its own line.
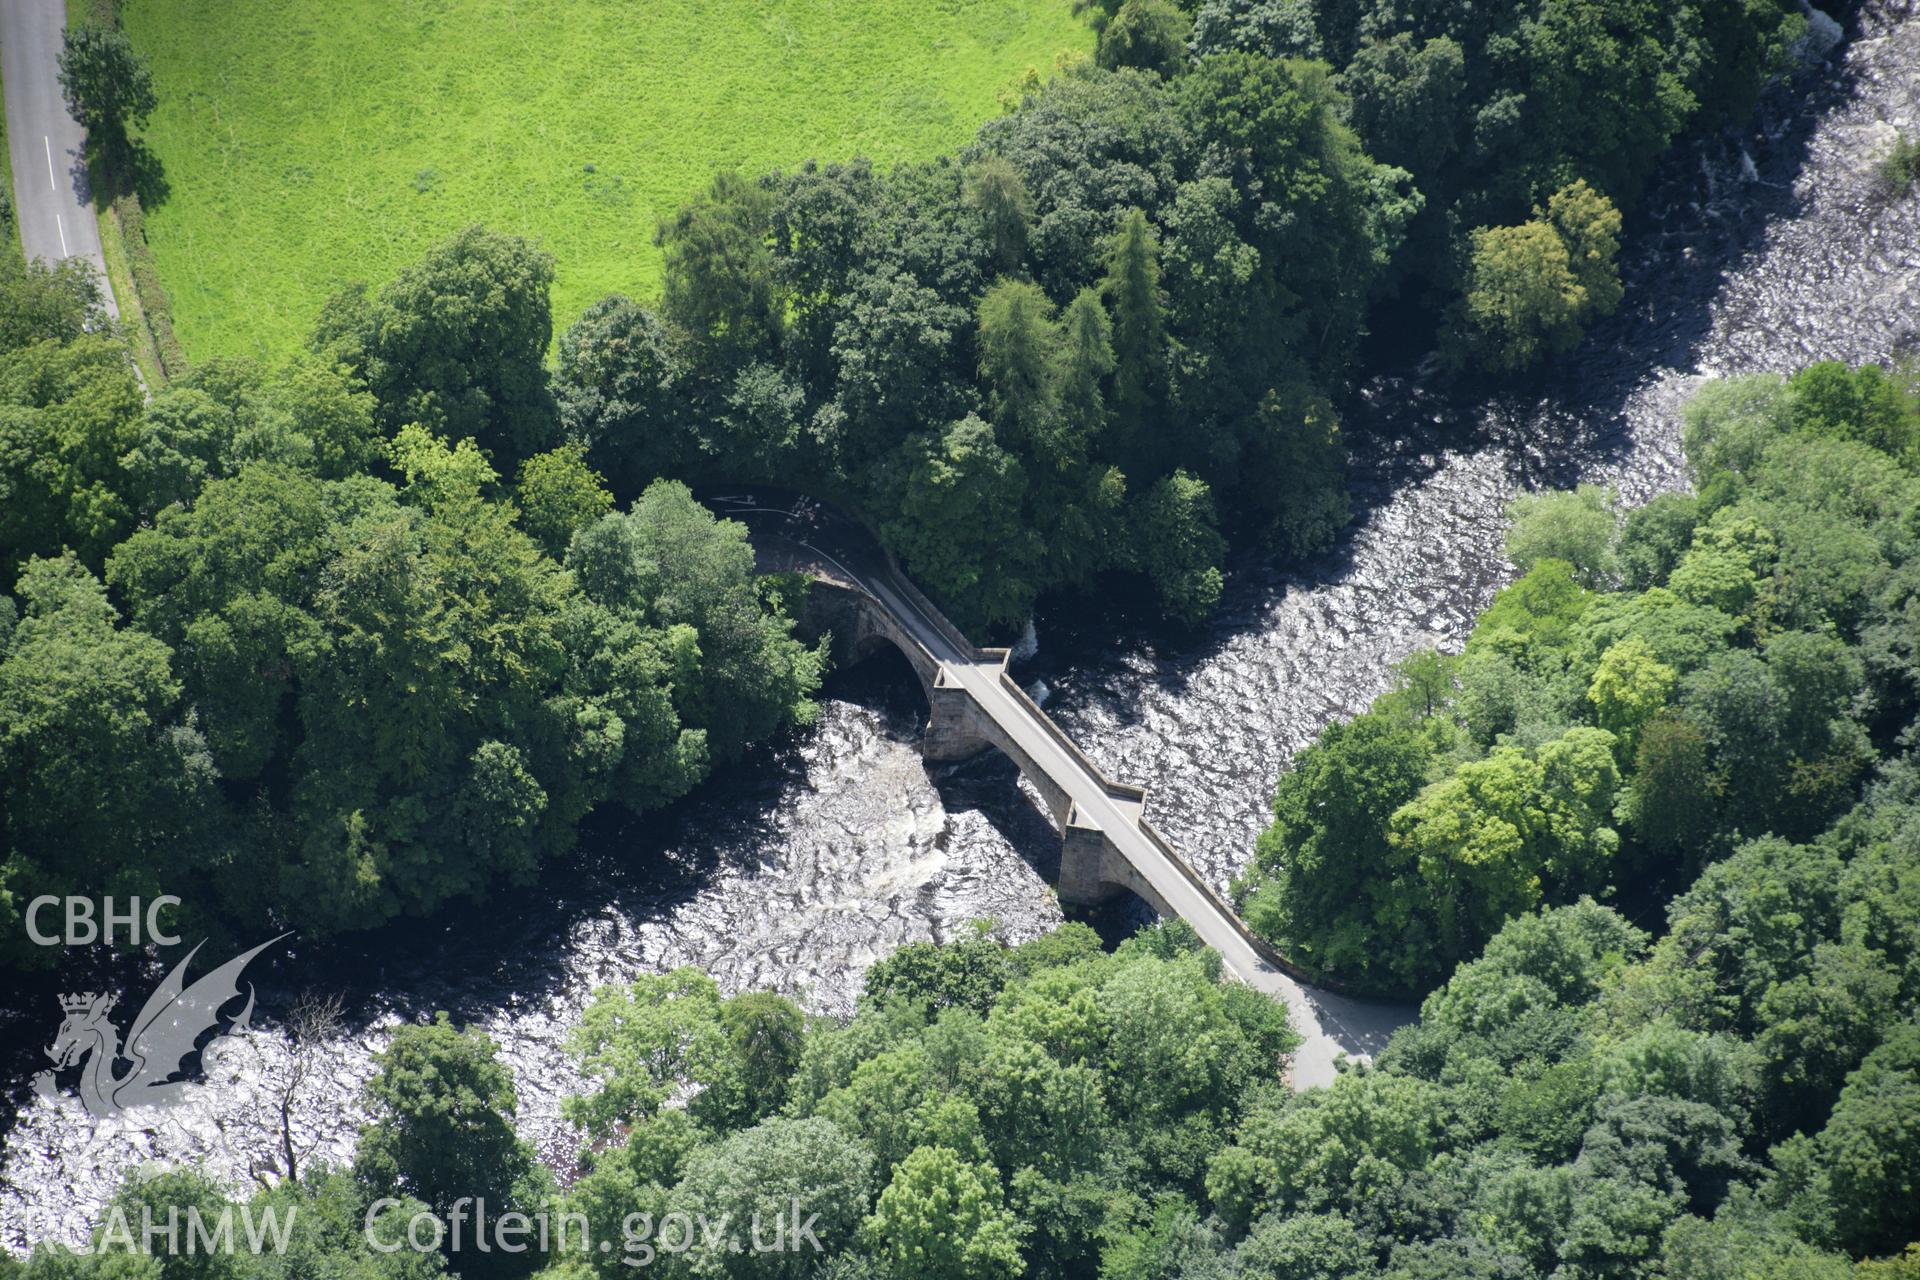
<point>164,1038</point>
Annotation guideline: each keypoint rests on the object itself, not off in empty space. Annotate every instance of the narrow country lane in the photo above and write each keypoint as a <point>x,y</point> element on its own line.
<point>50,194</point>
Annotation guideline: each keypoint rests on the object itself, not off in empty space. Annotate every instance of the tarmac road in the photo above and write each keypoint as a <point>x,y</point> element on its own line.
<point>51,199</point>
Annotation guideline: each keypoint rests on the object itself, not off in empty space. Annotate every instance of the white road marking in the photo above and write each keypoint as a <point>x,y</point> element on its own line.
<point>63,235</point>
<point>51,184</point>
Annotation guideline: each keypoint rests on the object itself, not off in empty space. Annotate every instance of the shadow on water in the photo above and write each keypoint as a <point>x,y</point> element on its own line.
<point>989,784</point>
<point>796,867</point>
<point>481,959</point>
<point>1562,423</point>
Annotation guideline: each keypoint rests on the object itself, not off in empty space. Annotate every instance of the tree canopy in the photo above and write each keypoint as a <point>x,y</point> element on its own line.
<point>296,616</point>
<point>1649,693</point>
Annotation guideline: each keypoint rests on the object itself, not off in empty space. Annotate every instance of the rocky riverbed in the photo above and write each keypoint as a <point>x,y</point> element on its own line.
<point>797,868</point>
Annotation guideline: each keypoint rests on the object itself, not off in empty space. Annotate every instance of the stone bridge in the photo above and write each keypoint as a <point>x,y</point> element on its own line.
<point>962,723</point>
<point>1108,845</point>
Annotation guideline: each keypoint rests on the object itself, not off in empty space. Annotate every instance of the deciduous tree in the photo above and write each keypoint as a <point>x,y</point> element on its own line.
<point>943,1218</point>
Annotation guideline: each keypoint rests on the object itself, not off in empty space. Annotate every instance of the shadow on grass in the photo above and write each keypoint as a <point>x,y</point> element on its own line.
<point>121,166</point>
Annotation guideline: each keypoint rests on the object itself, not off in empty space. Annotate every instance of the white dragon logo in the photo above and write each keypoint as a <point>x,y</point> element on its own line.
<point>162,1036</point>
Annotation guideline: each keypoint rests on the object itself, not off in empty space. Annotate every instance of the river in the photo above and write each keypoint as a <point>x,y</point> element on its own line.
<point>797,868</point>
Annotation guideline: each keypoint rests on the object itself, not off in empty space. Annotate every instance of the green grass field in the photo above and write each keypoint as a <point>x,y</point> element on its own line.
<point>12,233</point>
<point>306,145</point>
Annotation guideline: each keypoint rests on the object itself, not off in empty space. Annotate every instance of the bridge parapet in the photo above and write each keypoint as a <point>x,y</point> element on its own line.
<point>1059,735</point>
<point>899,581</point>
<point>959,727</point>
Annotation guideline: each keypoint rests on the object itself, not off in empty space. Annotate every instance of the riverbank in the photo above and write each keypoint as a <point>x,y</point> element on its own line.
<point>798,868</point>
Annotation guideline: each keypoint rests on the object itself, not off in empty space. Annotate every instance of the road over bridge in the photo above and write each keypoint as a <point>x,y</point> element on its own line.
<point>1109,845</point>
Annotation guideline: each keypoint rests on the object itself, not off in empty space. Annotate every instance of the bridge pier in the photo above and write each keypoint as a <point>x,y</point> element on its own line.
<point>957,728</point>
<point>1093,872</point>
<point>1092,869</point>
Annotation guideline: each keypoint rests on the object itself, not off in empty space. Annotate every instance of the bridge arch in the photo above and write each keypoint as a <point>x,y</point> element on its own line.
<point>861,627</point>
<point>958,728</point>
